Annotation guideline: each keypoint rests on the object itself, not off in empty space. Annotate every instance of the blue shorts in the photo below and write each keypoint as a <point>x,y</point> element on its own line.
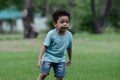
<point>59,68</point>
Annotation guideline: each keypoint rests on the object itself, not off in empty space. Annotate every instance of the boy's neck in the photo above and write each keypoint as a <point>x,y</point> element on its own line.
<point>61,33</point>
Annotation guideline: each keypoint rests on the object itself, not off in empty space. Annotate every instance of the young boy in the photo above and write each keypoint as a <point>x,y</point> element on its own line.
<point>57,42</point>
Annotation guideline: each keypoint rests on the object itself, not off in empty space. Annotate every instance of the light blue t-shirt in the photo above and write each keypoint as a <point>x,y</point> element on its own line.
<point>56,46</point>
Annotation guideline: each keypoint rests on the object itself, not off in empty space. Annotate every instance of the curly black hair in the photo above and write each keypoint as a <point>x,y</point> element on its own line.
<point>59,13</point>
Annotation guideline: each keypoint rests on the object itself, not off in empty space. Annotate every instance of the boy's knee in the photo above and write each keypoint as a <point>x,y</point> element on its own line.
<point>43,75</point>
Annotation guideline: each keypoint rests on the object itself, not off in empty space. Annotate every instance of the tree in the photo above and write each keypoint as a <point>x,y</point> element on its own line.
<point>29,31</point>
<point>1,29</point>
<point>99,24</point>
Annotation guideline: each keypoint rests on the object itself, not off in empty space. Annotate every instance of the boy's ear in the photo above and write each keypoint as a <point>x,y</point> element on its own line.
<point>54,23</point>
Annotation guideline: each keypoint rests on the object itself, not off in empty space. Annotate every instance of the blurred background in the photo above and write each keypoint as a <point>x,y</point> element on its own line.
<point>31,17</point>
<point>95,25</point>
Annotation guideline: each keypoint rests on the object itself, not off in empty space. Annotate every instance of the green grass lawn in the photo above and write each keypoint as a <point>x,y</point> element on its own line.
<point>95,57</point>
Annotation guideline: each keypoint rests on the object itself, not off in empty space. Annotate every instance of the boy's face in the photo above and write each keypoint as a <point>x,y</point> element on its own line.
<point>62,23</point>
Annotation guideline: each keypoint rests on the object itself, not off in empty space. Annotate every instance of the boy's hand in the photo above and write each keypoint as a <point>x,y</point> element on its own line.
<point>39,62</point>
<point>68,63</point>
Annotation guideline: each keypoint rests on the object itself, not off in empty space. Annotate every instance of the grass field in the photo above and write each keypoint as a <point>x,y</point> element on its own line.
<point>95,57</point>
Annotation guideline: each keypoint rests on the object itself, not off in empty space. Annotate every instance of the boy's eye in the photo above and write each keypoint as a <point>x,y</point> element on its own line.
<point>64,21</point>
<point>61,21</point>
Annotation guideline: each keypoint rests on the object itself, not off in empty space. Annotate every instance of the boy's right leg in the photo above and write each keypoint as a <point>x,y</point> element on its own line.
<point>45,69</point>
<point>42,76</point>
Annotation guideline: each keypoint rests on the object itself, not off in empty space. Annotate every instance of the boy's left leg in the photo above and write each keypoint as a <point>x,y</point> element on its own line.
<point>59,70</point>
<point>42,76</point>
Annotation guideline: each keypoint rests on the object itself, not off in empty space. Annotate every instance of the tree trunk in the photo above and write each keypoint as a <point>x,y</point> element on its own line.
<point>1,28</point>
<point>99,24</point>
<point>47,8</point>
<point>28,20</point>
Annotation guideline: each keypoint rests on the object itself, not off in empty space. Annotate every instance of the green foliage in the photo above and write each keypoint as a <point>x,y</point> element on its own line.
<point>114,17</point>
<point>50,5</point>
<point>50,23</point>
<point>87,24</point>
<point>8,3</point>
<point>81,16</point>
<point>3,4</point>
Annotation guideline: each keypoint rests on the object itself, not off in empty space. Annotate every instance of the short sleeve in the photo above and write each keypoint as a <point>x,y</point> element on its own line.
<point>70,41</point>
<point>47,39</point>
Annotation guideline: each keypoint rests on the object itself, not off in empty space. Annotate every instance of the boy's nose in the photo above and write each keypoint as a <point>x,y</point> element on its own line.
<point>64,25</point>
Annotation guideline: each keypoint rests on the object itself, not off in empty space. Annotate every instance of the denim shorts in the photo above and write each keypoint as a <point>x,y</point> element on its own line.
<point>58,68</point>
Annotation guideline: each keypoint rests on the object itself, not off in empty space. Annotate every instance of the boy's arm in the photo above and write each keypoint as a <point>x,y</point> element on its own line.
<point>69,51</point>
<point>40,55</point>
